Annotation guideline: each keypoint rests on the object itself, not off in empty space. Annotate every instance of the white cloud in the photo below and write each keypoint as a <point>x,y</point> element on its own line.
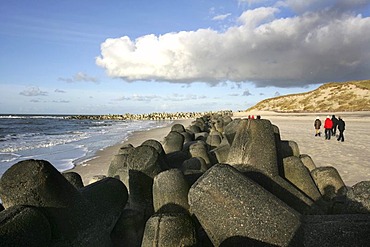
<point>301,6</point>
<point>59,91</point>
<point>80,77</point>
<point>314,47</point>
<point>221,17</point>
<point>137,97</point>
<point>61,101</point>
<point>33,91</point>
<point>250,2</point>
<point>172,97</point>
<point>246,93</point>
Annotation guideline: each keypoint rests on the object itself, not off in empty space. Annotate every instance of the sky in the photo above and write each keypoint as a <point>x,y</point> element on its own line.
<point>133,56</point>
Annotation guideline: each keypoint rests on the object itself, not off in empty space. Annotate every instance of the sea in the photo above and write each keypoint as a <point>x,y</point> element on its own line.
<point>62,141</point>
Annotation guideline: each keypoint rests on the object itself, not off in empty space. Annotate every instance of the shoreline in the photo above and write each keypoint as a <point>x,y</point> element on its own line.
<point>350,158</point>
<point>99,163</point>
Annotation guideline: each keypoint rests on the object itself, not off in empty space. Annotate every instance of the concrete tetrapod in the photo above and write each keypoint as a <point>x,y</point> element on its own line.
<point>229,205</point>
<point>75,216</point>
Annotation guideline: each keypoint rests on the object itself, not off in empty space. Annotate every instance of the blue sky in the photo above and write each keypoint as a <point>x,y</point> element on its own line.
<point>115,56</point>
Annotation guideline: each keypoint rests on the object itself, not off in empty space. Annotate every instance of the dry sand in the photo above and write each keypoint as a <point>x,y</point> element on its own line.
<point>351,157</point>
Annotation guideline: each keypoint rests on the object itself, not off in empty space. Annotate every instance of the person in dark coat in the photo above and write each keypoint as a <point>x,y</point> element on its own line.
<point>335,124</point>
<point>328,125</point>
<point>341,128</point>
<point>317,125</point>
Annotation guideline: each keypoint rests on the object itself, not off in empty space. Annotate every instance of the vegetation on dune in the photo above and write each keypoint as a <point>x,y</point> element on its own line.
<point>330,97</point>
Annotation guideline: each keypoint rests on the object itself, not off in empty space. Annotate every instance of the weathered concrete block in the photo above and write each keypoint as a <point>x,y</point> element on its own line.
<point>194,165</point>
<point>254,147</point>
<point>96,178</point>
<point>358,199</point>
<point>336,230</point>
<point>169,230</point>
<point>24,226</point>
<point>201,136</point>
<point>188,136</point>
<point>162,154</point>
<point>199,149</point>
<point>278,150</point>
<point>173,142</point>
<point>221,153</point>
<point>126,149</point>
<point>156,145</point>
<point>201,124</point>
<point>144,159</point>
<point>176,159</point>
<point>37,183</point>
<point>129,228</point>
<point>170,192</point>
<point>228,204</point>
<point>289,148</point>
<point>307,161</point>
<point>219,124</point>
<point>287,193</point>
<point>230,130</point>
<point>109,193</point>
<point>329,182</point>
<point>214,139</point>
<point>298,174</point>
<point>227,120</point>
<point>178,128</point>
<point>74,178</point>
<point>118,167</point>
<point>194,129</point>
<point>141,192</point>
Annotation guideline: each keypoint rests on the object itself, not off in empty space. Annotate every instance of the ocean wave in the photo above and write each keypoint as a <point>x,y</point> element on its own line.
<point>37,141</point>
<point>31,116</point>
<point>8,157</point>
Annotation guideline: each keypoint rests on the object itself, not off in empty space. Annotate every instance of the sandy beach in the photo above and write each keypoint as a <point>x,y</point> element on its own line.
<point>351,157</point>
<point>100,163</point>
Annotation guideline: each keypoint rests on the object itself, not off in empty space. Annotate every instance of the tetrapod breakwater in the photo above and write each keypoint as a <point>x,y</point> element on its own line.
<point>217,182</point>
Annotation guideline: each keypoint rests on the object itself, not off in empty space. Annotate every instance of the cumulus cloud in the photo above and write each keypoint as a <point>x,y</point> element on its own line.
<point>326,41</point>
<point>33,91</point>
<point>79,77</point>
<point>338,6</point>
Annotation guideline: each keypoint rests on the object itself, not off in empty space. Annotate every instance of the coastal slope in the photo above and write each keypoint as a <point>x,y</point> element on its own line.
<point>331,97</point>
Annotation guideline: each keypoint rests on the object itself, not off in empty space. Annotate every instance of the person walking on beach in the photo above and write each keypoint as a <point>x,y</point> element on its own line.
<point>317,125</point>
<point>341,128</point>
<point>328,125</point>
<point>335,124</point>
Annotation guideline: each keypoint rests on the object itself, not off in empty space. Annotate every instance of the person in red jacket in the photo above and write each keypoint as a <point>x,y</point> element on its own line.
<point>328,125</point>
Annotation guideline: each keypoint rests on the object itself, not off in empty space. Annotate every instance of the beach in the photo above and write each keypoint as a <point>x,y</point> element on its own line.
<point>100,163</point>
<point>351,158</point>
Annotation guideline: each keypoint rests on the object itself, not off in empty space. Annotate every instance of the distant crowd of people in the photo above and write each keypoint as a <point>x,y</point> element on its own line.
<point>330,127</point>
